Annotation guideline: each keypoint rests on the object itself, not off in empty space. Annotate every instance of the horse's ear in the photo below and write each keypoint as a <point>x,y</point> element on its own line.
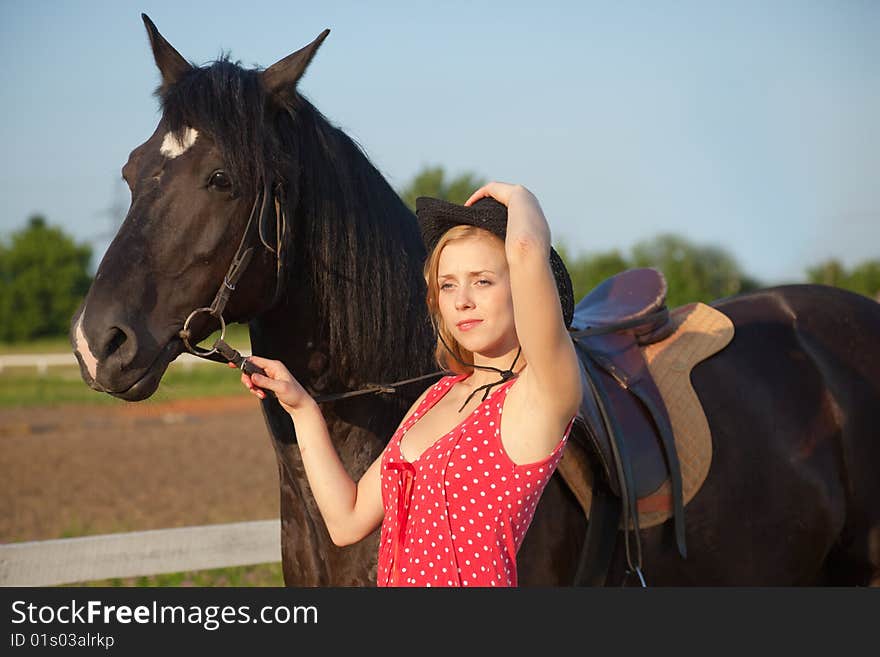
<point>171,64</point>
<point>280,79</point>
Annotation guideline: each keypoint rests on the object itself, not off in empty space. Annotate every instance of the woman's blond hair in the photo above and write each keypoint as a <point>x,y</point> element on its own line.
<point>432,263</point>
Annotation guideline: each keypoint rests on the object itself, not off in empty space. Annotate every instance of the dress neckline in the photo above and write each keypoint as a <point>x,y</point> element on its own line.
<point>413,418</point>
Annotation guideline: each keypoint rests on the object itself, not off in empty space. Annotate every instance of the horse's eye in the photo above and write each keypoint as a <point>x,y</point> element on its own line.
<point>220,180</point>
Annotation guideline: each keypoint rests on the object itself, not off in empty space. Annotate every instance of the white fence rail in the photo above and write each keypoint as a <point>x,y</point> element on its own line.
<point>44,361</point>
<point>69,560</point>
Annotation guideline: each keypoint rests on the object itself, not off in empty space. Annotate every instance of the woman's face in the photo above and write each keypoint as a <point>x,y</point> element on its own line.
<point>473,284</point>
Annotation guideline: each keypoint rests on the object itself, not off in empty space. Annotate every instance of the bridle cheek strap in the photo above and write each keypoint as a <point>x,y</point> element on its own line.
<point>260,212</point>
<point>240,260</point>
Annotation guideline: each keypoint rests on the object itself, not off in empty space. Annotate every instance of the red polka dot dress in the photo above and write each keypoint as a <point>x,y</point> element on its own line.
<point>457,515</point>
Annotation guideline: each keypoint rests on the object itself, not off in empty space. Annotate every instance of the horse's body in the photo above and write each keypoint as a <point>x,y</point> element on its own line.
<point>793,401</point>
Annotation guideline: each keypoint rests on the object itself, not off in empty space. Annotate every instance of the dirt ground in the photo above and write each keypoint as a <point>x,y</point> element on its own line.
<point>70,471</point>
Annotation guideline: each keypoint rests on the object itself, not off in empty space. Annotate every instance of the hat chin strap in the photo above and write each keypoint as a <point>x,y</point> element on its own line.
<point>505,374</point>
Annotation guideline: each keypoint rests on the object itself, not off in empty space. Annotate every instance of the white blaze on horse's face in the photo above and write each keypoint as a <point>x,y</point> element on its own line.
<point>82,346</point>
<point>172,148</point>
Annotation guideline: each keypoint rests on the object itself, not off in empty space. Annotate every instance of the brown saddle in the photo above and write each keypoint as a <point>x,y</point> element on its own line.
<point>623,421</point>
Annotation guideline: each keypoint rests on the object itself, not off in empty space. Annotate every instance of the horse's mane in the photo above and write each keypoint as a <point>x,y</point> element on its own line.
<point>353,244</point>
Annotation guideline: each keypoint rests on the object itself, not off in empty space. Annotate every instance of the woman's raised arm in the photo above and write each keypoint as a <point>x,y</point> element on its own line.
<point>540,327</point>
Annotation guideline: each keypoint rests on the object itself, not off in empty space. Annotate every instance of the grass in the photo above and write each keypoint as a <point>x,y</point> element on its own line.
<point>24,386</point>
<point>39,346</point>
<point>268,574</point>
<point>63,385</point>
<point>236,335</point>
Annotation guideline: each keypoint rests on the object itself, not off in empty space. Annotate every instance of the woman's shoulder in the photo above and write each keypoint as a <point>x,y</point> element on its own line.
<point>434,389</point>
<point>442,385</point>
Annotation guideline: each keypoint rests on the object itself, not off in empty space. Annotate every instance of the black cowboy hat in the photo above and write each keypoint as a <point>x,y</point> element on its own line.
<point>437,216</point>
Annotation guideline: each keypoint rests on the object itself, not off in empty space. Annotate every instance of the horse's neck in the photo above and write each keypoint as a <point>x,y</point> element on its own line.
<point>371,194</point>
<point>332,348</point>
<point>289,333</point>
<point>359,427</point>
<point>340,185</point>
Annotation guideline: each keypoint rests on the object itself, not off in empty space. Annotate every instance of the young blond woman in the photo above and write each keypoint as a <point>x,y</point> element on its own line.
<point>456,487</point>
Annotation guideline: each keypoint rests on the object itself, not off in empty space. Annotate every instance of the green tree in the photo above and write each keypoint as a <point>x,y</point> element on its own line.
<point>431,181</point>
<point>863,279</point>
<point>587,271</point>
<point>44,276</point>
<point>693,273</point>
<point>830,272</point>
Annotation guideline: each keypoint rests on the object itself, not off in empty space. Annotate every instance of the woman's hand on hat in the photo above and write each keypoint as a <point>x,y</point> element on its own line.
<point>525,219</point>
<point>279,380</point>
<point>501,192</point>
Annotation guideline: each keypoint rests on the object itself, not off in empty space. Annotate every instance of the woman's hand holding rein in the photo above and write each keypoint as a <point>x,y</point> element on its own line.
<point>291,395</point>
<point>351,510</point>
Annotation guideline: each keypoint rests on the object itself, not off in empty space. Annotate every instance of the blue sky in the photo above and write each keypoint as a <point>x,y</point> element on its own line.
<point>748,125</point>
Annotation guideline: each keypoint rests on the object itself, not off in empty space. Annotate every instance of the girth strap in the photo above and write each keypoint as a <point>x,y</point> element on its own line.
<point>601,536</point>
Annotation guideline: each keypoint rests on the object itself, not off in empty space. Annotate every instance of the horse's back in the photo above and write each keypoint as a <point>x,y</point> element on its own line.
<point>836,326</point>
<point>835,333</point>
<point>793,403</point>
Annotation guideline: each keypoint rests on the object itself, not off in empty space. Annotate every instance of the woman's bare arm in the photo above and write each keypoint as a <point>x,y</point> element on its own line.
<point>351,511</point>
<point>542,333</point>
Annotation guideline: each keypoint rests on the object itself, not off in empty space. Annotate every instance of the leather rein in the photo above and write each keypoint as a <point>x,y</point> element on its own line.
<point>222,352</point>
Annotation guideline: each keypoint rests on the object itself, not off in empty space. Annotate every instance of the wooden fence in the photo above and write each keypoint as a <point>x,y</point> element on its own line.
<point>70,560</point>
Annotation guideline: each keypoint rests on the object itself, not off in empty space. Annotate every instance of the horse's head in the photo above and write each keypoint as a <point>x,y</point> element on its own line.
<point>194,185</point>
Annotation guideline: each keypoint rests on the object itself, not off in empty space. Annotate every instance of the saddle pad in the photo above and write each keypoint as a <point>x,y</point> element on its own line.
<point>700,331</point>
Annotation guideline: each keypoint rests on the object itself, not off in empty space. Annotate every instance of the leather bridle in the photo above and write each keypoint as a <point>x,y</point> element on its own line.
<point>266,200</point>
<point>221,351</point>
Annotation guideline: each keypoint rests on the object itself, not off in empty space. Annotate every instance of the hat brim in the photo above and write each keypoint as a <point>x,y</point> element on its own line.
<point>436,216</point>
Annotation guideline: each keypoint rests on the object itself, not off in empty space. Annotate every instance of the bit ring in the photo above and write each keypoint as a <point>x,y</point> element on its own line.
<point>184,334</point>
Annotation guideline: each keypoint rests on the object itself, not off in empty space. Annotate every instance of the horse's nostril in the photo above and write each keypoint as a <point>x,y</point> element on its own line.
<point>117,338</point>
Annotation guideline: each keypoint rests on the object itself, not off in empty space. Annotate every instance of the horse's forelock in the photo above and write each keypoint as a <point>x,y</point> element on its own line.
<point>227,103</point>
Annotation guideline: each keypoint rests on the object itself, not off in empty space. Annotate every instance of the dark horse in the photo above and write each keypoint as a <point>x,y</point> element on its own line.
<point>793,403</point>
